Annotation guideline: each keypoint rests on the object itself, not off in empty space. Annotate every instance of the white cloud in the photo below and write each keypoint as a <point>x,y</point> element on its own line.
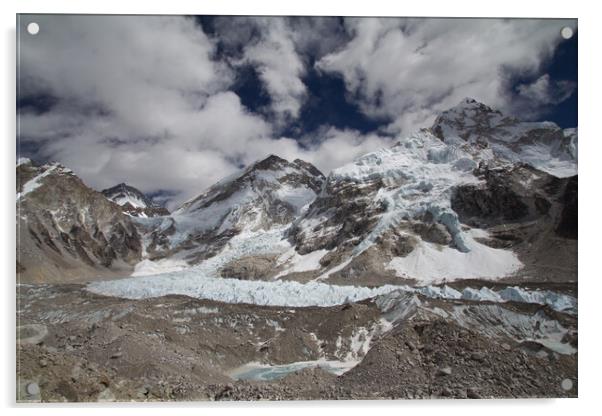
<point>280,48</point>
<point>339,146</point>
<point>145,99</point>
<point>409,69</point>
<point>142,100</point>
<point>545,91</point>
<point>279,66</point>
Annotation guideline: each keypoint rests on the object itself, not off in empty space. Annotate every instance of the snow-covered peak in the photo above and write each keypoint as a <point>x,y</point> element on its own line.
<point>124,194</point>
<point>133,201</point>
<point>399,206</point>
<point>474,121</point>
<point>263,176</point>
<point>272,163</point>
<point>493,137</point>
<point>269,194</point>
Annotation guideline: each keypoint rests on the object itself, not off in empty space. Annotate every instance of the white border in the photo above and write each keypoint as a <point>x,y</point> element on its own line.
<point>590,133</point>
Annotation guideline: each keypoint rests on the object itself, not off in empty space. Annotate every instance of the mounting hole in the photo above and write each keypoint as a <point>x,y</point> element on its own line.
<point>33,28</point>
<point>567,384</point>
<point>566,32</point>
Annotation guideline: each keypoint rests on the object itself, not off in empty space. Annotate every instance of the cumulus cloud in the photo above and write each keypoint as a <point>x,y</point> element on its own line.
<point>280,49</point>
<point>144,100</point>
<point>339,146</point>
<point>268,44</point>
<point>409,69</point>
<point>139,99</point>
<point>279,67</point>
<point>149,100</point>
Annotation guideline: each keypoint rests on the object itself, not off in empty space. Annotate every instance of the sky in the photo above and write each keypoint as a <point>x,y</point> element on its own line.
<point>172,104</point>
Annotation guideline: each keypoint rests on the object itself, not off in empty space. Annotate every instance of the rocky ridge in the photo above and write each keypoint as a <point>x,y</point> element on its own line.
<point>67,231</point>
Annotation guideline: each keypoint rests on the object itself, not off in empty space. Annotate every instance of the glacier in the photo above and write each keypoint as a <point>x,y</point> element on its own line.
<point>275,293</point>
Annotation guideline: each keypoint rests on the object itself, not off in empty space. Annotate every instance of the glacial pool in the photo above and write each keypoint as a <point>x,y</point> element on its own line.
<point>265,372</point>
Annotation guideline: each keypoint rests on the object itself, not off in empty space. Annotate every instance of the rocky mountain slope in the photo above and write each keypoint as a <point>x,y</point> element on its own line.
<point>478,195</point>
<point>67,231</point>
<point>267,195</point>
<point>133,202</point>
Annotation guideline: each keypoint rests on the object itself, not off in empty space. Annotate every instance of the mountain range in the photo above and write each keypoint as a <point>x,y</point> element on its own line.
<point>478,195</point>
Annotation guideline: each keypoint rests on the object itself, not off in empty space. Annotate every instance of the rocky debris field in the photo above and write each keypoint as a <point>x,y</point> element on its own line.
<point>74,345</point>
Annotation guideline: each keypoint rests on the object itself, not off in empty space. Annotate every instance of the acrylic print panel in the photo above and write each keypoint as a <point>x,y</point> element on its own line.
<point>293,208</point>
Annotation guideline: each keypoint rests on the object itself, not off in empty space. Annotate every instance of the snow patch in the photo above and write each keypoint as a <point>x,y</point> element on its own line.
<point>431,263</point>
<point>296,196</point>
<point>296,262</point>
<point>23,161</point>
<point>130,199</point>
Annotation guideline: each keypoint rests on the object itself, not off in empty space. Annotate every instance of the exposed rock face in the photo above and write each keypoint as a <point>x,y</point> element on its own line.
<point>508,194</point>
<point>268,177</point>
<point>249,268</point>
<point>343,213</point>
<point>432,233</point>
<point>568,226</point>
<point>67,231</point>
<point>369,267</point>
<point>133,202</point>
<point>394,200</point>
<point>486,171</point>
<point>527,211</point>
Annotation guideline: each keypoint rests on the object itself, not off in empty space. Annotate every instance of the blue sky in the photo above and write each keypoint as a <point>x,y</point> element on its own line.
<point>174,103</point>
